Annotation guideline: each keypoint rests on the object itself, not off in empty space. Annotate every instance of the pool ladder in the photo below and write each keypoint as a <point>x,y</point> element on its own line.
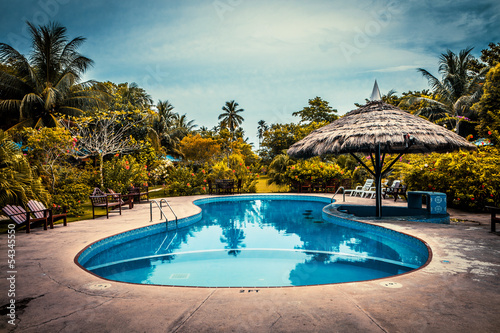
<point>162,214</point>
<point>343,193</point>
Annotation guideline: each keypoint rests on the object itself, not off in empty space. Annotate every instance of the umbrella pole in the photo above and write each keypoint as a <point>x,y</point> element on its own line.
<point>378,182</point>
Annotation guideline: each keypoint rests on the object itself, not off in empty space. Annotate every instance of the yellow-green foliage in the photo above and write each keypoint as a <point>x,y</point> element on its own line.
<point>489,106</point>
<point>470,179</point>
<point>120,173</point>
<point>311,170</point>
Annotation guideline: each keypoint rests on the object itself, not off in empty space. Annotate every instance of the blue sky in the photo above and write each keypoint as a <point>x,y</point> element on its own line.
<point>269,56</point>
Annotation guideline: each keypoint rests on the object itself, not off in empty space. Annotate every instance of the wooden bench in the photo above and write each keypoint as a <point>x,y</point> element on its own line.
<point>19,215</point>
<point>494,218</point>
<point>108,201</point>
<point>139,191</point>
<point>224,186</point>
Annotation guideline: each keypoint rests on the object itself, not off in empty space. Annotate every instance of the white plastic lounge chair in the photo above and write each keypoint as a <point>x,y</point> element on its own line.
<point>371,192</point>
<point>361,189</point>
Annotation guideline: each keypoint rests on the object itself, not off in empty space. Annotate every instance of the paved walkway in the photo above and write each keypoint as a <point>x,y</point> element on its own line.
<point>459,291</point>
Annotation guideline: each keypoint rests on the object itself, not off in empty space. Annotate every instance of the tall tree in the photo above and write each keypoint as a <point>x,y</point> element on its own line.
<point>489,106</point>
<point>18,182</point>
<point>317,111</point>
<point>47,82</point>
<point>230,118</point>
<point>135,95</point>
<point>101,136</point>
<point>261,129</point>
<point>161,125</point>
<point>457,90</point>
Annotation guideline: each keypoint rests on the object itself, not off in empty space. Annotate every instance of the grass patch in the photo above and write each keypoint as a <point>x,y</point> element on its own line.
<point>263,187</point>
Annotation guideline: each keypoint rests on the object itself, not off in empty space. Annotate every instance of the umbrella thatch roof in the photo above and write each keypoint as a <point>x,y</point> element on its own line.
<point>363,129</point>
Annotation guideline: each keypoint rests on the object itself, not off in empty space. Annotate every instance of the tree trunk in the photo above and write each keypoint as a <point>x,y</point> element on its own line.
<point>101,162</point>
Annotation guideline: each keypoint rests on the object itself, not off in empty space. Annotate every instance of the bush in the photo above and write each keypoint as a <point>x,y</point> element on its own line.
<point>160,173</point>
<point>74,187</point>
<point>313,169</point>
<point>122,172</point>
<point>470,180</point>
<point>183,181</point>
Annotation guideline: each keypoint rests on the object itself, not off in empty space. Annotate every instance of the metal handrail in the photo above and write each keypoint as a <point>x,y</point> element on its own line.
<point>343,193</point>
<point>162,214</point>
<point>164,200</point>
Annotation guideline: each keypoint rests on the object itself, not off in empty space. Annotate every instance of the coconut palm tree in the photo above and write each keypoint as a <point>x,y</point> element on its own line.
<point>165,115</point>
<point>230,117</point>
<point>47,82</point>
<point>456,91</point>
<point>261,128</point>
<point>135,95</point>
<point>161,126</point>
<point>18,183</point>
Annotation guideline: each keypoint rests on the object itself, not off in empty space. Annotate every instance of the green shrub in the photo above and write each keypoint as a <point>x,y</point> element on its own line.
<point>122,172</point>
<point>183,181</point>
<point>73,189</point>
<point>471,180</point>
<point>313,169</point>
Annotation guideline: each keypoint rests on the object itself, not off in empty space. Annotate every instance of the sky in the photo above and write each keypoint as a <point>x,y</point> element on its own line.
<point>271,57</point>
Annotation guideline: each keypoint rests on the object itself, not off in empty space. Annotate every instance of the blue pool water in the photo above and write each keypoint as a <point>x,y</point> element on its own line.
<point>256,242</point>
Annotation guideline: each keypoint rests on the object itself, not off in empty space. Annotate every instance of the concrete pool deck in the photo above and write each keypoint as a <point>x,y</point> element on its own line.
<point>459,291</point>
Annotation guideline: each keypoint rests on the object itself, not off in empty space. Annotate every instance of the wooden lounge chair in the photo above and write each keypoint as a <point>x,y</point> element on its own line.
<point>19,215</point>
<point>127,199</point>
<point>103,200</point>
<point>318,185</point>
<point>39,209</point>
<point>306,186</point>
<point>331,185</point>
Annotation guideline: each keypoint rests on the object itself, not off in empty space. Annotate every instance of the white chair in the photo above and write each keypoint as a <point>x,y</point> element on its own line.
<point>360,190</point>
<point>371,192</point>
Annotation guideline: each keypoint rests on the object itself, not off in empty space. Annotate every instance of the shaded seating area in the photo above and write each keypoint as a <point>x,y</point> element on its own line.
<point>109,201</point>
<point>139,192</point>
<point>360,189</point>
<point>23,218</point>
<point>396,191</point>
<point>38,209</point>
<point>224,186</point>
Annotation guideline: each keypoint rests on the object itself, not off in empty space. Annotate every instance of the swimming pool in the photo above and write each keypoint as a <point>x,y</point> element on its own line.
<point>255,241</point>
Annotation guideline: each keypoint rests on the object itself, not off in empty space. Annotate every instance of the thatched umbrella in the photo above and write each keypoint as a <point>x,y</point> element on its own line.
<point>378,129</point>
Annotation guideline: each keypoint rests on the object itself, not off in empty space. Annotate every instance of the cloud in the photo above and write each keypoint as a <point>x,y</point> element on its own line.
<point>271,57</point>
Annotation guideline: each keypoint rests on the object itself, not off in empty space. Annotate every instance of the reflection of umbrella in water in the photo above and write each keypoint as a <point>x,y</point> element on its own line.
<point>378,129</point>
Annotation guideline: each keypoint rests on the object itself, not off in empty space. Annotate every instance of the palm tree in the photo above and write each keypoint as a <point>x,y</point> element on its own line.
<point>261,129</point>
<point>46,82</point>
<point>230,117</point>
<point>165,115</point>
<point>135,95</point>
<point>18,183</point>
<point>163,126</point>
<point>455,93</point>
